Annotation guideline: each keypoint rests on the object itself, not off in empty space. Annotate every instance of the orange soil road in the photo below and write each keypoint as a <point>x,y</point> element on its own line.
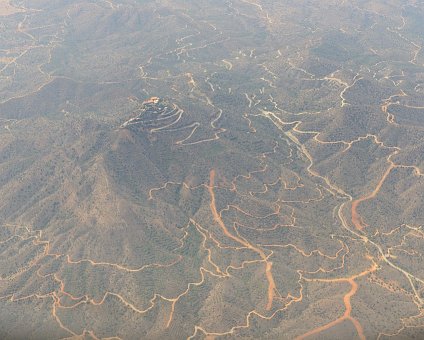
<point>346,316</point>
<point>356,218</point>
<point>348,306</point>
<point>268,264</point>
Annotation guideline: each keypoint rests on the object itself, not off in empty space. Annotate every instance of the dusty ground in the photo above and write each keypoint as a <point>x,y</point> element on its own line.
<point>7,9</point>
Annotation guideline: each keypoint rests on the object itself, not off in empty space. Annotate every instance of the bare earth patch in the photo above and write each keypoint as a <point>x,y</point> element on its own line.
<point>7,9</point>
<point>5,60</point>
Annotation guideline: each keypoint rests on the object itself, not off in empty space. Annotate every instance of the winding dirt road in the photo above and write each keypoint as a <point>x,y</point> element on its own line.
<point>344,317</point>
<point>356,218</point>
<point>268,264</point>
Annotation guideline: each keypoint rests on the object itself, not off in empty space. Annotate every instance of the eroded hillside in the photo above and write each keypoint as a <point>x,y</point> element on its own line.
<point>211,169</point>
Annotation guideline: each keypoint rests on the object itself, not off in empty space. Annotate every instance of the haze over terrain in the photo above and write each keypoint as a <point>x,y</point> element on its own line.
<point>211,169</point>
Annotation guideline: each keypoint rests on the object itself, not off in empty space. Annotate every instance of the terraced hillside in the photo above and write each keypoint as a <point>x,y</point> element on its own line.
<point>211,169</point>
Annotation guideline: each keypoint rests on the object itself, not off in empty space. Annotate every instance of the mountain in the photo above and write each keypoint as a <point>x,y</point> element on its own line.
<point>211,169</point>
